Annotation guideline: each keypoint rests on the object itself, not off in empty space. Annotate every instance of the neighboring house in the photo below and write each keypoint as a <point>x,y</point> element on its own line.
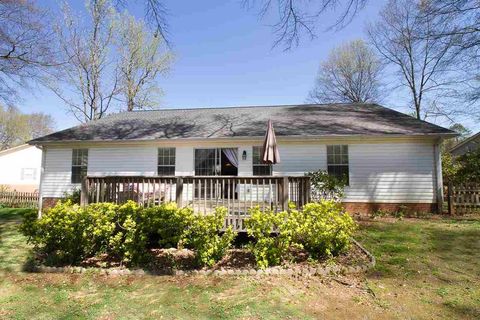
<point>391,159</point>
<point>470,144</point>
<point>20,168</point>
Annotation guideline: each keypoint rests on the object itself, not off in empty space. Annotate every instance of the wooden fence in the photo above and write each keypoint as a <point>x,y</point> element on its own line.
<point>202,193</point>
<point>463,198</point>
<point>19,199</point>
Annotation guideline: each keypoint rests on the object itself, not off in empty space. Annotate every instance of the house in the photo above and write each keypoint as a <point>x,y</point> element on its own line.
<point>391,160</point>
<point>470,144</point>
<point>20,168</point>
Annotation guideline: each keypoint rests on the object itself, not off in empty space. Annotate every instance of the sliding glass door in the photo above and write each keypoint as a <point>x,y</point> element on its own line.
<point>216,162</point>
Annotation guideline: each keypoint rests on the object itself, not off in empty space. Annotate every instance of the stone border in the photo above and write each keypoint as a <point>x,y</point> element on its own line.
<point>292,271</point>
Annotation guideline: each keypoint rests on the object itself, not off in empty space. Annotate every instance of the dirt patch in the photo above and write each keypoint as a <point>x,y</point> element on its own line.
<point>171,261</point>
<point>236,259</point>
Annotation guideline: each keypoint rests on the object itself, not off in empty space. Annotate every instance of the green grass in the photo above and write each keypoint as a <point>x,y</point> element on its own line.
<point>431,266</point>
<point>425,269</point>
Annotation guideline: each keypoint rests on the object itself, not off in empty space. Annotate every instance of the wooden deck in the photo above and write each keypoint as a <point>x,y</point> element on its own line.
<point>202,194</point>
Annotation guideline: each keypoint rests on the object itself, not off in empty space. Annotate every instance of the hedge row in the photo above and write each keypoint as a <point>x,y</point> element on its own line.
<point>69,234</point>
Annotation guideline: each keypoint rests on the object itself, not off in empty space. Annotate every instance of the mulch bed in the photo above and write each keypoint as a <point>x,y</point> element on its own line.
<point>165,261</point>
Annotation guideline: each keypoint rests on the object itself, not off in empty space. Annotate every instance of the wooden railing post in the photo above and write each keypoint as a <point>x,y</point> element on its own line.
<point>308,190</point>
<point>84,192</point>
<point>179,192</point>
<point>451,207</point>
<point>285,198</point>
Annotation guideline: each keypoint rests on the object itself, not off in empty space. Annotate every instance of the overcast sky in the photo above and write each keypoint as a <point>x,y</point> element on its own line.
<point>224,57</point>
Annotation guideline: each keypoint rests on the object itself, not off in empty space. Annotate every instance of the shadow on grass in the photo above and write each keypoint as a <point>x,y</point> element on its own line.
<point>15,253</point>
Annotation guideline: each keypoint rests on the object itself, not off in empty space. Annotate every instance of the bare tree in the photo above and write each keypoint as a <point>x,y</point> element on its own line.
<point>463,20</point>
<point>143,58</point>
<point>297,18</point>
<point>351,73</point>
<point>88,81</point>
<point>403,37</point>
<point>25,46</point>
<point>17,127</point>
<point>155,16</point>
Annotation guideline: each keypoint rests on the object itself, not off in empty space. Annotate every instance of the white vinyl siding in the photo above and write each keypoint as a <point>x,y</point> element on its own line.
<point>297,159</point>
<point>123,161</point>
<point>393,172</point>
<point>381,171</point>
<point>56,178</point>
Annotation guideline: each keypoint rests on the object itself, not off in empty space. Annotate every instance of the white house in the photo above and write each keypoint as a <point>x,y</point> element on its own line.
<point>20,168</point>
<point>390,159</point>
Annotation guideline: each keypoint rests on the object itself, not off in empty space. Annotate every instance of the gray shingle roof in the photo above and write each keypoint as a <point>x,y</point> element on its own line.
<point>292,120</point>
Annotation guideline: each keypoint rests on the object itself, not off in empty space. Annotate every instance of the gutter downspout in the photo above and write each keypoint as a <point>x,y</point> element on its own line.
<point>438,174</point>
<point>42,169</point>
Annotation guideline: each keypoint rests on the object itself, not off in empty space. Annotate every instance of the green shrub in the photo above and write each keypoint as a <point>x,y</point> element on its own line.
<point>269,249</point>
<point>29,226</point>
<point>323,229</point>
<point>130,239</point>
<point>68,233</point>
<point>167,222</point>
<point>203,236</point>
<point>325,186</point>
<point>100,226</point>
<point>60,232</point>
<point>73,196</point>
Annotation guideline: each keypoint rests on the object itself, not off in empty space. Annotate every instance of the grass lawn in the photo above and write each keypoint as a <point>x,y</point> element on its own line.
<point>426,269</point>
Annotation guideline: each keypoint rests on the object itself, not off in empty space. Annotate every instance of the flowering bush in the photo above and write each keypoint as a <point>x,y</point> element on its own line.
<point>268,248</point>
<point>203,235</point>
<point>60,232</point>
<point>322,229</point>
<point>68,233</point>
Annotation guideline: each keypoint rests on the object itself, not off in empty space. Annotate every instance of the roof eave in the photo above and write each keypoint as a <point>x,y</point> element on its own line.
<point>238,138</point>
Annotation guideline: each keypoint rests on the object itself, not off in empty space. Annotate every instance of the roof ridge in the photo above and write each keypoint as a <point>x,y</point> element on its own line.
<point>251,106</point>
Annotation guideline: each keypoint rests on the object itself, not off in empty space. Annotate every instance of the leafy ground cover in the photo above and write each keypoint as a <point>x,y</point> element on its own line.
<point>425,269</point>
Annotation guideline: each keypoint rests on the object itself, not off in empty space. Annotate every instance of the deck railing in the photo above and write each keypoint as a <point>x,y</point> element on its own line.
<point>202,193</point>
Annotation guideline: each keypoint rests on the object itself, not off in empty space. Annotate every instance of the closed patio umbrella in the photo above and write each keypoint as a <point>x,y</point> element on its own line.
<point>270,148</point>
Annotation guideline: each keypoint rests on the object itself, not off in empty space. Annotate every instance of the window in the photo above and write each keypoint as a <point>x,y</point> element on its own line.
<point>166,161</point>
<point>79,164</point>
<point>28,174</point>
<point>337,161</point>
<point>260,168</point>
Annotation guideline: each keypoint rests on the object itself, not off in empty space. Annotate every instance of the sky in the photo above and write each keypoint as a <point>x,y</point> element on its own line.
<point>224,57</point>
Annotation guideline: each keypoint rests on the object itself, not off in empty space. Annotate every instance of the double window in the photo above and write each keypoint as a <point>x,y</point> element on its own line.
<point>79,164</point>
<point>260,168</point>
<point>166,161</point>
<point>337,162</point>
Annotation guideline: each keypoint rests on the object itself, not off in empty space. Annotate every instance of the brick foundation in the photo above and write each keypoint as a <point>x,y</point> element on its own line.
<point>49,202</point>
<point>370,207</point>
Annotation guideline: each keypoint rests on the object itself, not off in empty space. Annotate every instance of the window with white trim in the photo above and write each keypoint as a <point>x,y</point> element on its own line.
<point>79,164</point>
<point>260,168</point>
<point>166,162</point>
<point>337,162</point>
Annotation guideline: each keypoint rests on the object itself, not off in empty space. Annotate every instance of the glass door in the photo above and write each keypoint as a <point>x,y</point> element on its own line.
<point>206,162</point>
<point>216,162</point>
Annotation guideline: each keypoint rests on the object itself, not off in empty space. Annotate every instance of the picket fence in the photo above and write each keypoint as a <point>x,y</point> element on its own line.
<point>19,199</point>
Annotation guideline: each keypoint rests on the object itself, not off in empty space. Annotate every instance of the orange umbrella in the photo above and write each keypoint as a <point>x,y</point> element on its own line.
<point>270,148</point>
